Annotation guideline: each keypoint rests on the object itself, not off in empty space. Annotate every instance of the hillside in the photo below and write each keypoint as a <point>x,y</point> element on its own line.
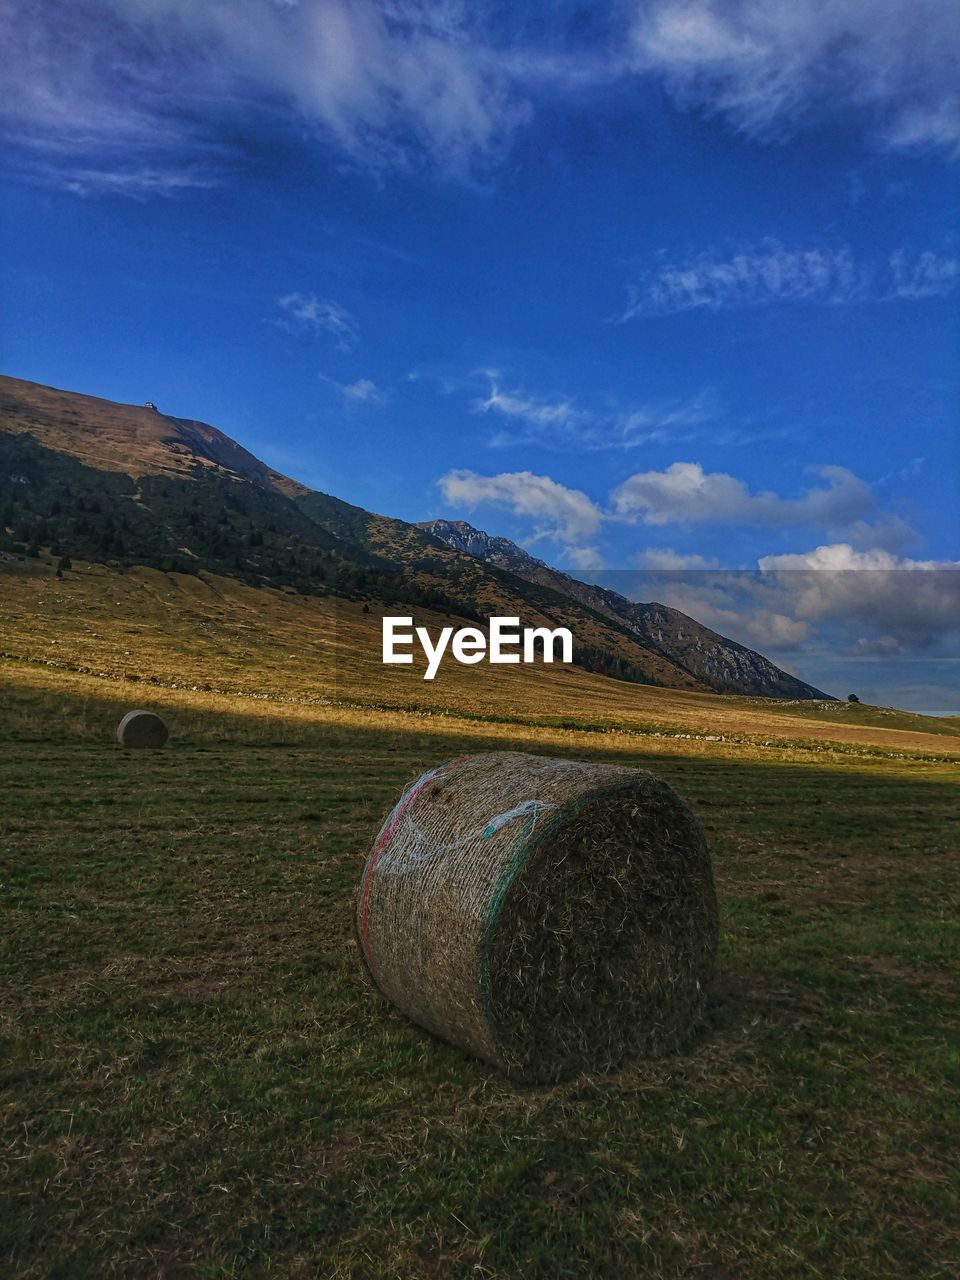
<point>606,644</point>
<point>139,633</point>
<point>721,664</point>
<point>135,439</point>
<point>85,478</point>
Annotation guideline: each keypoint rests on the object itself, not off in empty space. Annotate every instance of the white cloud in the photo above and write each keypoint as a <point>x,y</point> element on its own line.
<point>387,81</point>
<point>777,632</point>
<point>904,602</point>
<point>768,273</point>
<point>560,423</point>
<point>363,391</point>
<point>878,647</point>
<point>136,183</point>
<point>867,602</point>
<point>667,558</point>
<point>756,276</point>
<point>538,413</point>
<point>766,629</point>
<point>582,558</point>
<point>566,514</point>
<point>841,556</point>
<point>929,275</point>
<point>685,494</point>
<point>400,83</point>
<point>771,67</point>
<point>320,315</point>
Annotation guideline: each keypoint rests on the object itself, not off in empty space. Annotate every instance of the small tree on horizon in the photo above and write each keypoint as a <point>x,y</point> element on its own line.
<point>852,697</point>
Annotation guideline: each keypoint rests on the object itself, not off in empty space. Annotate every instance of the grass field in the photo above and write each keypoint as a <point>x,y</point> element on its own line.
<point>178,632</point>
<point>198,1081</point>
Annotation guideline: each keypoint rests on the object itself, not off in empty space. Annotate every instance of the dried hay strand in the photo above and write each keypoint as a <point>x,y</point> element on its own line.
<point>548,916</point>
<point>141,729</point>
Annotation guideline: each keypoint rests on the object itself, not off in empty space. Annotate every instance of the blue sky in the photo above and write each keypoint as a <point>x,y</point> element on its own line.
<point>650,287</point>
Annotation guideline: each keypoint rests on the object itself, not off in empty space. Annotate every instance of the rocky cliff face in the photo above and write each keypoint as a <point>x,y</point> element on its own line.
<point>722,664</point>
<point>494,550</point>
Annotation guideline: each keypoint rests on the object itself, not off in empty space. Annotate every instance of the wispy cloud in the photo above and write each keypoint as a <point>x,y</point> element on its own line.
<point>308,313</point>
<point>756,276</point>
<point>364,391</point>
<point>768,273</point>
<point>535,413</point>
<point>928,275</point>
<point>665,420</point>
<point>387,83</point>
<point>400,83</point>
<point>583,558</point>
<point>136,184</point>
<point>561,423</point>
<point>667,558</point>
<point>770,68</point>
<point>101,103</point>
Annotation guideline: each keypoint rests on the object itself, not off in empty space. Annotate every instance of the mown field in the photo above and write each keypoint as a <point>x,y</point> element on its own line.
<point>198,1081</point>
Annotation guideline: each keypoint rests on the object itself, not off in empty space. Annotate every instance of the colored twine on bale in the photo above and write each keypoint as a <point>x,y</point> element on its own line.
<point>548,916</point>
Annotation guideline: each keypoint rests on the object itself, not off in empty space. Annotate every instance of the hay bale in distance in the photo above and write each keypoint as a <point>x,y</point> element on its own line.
<point>141,729</point>
<point>549,916</point>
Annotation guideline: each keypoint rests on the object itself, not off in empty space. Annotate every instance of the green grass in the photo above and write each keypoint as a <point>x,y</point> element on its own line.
<point>197,1079</point>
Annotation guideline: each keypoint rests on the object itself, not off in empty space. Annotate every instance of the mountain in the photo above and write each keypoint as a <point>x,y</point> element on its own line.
<point>127,485</point>
<point>722,665</point>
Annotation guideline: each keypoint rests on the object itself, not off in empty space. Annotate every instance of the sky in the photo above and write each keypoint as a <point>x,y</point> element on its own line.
<point>660,289</point>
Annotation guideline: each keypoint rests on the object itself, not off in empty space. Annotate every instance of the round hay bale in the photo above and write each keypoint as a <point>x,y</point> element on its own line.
<point>549,916</point>
<point>141,729</point>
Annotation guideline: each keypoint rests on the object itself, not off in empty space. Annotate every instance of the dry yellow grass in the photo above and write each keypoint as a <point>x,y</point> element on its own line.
<point>241,646</point>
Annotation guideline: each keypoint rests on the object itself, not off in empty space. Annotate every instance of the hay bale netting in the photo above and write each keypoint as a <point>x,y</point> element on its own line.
<point>141,729</point>
<point>546,915</point>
